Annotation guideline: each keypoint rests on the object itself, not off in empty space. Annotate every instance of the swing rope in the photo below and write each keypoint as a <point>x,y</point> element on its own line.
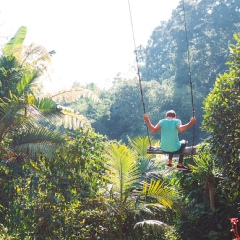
<point>138,71</point>
<point>189,67</point>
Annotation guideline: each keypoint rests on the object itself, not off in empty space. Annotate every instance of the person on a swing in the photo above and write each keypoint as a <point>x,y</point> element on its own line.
<point>170,143</point>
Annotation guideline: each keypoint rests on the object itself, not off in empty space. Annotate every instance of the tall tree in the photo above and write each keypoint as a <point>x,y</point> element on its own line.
<point>222,121</point>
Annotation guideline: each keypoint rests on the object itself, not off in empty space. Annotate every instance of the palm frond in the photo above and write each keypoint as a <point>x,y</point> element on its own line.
<point>163,194</point>
<point>75,121</point>
<point>72,95</point>
<point>48,112</point>
<point>10,114</point>
<point>140,145</point>
<point>40,134</point>
<point>154,224</point>
<point>122,164</point>
<point>38,141</point>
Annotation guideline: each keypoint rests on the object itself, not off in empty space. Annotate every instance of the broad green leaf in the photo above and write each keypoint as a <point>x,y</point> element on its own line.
<point>14,46</point>
<point>25,81</point>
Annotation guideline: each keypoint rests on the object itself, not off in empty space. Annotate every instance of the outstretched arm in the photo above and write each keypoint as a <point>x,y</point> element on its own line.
<point>182,128</point>
<point>152,128</point>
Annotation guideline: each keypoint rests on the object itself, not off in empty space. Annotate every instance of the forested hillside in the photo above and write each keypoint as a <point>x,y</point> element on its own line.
<point>210,28</point>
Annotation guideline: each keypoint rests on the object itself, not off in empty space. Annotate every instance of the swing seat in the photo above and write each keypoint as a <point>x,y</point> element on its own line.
<point>192,150</point>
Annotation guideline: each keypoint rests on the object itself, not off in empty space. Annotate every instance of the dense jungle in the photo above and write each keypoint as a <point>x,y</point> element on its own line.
<point>74,165</point>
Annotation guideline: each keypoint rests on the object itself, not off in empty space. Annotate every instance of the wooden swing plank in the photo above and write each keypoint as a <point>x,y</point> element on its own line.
<point>192,150</point>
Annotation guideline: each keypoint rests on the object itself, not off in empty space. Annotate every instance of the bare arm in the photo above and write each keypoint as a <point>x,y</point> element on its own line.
<point>152,128</point>
<point>182,128</point>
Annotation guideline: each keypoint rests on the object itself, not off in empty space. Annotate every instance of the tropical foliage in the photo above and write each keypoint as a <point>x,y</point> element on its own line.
<point>21,135</point>
<point>137,192</point>
<point>44,198</point>
<point>79,184</point>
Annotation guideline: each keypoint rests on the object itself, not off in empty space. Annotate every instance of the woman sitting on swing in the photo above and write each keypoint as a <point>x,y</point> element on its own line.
<point>170,143</point>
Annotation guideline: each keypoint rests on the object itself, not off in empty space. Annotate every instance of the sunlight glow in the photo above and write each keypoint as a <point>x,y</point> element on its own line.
<point>92,39</point>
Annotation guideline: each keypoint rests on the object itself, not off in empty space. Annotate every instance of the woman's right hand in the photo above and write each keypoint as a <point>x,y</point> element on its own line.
<point>146,117</point>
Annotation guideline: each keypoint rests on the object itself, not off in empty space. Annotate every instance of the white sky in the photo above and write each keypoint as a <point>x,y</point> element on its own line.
<point>92,38</point>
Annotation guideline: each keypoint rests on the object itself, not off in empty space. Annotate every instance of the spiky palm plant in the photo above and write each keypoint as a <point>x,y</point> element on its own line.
<point>149,167</point>
<point>124,174</point>
<point>156,195</point>
<point>130,191</point>
<point>140,145</point>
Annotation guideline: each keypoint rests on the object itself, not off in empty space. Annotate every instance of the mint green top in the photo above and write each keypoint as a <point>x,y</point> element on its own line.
<point>169,134</point>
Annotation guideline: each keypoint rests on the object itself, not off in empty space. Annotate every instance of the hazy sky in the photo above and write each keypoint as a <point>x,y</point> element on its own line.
<point>92,38</point>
